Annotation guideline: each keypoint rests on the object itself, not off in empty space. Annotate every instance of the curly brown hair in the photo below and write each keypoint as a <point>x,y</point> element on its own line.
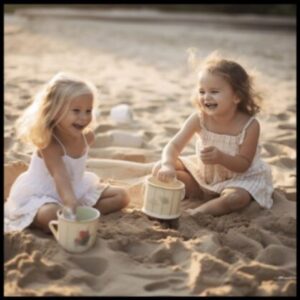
<point>240,81</point>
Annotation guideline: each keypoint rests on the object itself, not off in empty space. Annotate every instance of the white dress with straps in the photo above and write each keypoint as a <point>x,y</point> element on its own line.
<point>257,180</point>
<point>36,186</point>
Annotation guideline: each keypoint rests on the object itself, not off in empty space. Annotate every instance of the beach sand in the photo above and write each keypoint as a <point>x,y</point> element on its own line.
<point>144,65</point>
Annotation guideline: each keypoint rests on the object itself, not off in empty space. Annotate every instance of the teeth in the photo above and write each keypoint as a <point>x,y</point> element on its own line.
<point>211,105</point>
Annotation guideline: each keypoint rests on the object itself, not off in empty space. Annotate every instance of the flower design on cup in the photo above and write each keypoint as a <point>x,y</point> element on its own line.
<point>82,238</point>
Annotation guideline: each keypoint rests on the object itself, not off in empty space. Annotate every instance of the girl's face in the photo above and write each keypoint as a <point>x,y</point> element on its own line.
<point>216,96</point>
<point>77,116</point>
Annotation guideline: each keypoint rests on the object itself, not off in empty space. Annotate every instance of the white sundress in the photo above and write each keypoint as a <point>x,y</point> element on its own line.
<point>36,186</point>
<point>257,180</point>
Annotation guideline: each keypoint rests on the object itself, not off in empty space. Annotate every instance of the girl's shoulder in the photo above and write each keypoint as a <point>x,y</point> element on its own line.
<point>195,117</point>
<point>249,122</point>
<point>54,149</point>
<point>250,130</point>
<point>193,121</point>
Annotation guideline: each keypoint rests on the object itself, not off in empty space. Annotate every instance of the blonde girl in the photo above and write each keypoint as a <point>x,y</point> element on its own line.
<point>58,123</point>
<point>227,168</point>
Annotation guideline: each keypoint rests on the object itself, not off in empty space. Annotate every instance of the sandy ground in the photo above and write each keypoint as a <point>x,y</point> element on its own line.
<point>249,253</point>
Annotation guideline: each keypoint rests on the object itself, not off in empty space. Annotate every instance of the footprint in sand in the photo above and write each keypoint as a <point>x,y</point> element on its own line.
<point>283,224</point>
<point>173,252</point>
<point>227,255</point>
<point>239,242</point>
<point>277,255</point>
<point>133,247</point>
<point>261,236</point>
<point>93,265</point>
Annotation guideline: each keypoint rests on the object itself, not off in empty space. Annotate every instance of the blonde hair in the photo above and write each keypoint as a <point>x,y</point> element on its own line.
<point>240,81</point>
<point>37,122</point>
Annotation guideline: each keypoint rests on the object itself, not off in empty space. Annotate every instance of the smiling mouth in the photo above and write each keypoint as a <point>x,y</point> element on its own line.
<point>79,127</point>
<point>211,105</point>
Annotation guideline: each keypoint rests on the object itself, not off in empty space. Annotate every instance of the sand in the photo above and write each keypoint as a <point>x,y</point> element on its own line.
<point>246,253</point>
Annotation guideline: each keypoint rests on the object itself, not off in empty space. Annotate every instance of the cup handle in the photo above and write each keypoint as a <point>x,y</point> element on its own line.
<point>52,225</point>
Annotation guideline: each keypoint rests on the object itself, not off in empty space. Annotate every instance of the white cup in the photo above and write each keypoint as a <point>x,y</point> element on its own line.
<point>162,200</point>
<point>78,235</point>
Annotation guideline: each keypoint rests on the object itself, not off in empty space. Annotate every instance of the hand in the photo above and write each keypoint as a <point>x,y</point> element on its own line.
<point>211,155</point>
<point>156,168</point>
<point>166,173</point>
<point>163,172</point>
<point>69,210</point>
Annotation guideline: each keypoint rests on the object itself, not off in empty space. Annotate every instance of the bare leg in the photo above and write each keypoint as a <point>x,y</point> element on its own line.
<point>112,199</point>
<point>231,199</point>
<point>45,214</point>
<point>192,188</point>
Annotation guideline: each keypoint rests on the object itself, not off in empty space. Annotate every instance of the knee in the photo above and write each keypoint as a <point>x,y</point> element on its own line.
<point>183,176</point>
<point>43,217</point>
<point>179,166</point>
<point>124,197</point>
<point>237,200</point>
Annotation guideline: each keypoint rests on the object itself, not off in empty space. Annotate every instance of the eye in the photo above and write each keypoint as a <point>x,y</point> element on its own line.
<point>214,92</point>
<point>76,110</point>
<point>89,111</point>
<point>201,92</point>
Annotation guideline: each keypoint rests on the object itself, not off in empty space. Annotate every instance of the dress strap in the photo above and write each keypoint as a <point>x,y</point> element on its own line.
<point>242,134</point>
<point>62,145</point>
<point>85,141</point>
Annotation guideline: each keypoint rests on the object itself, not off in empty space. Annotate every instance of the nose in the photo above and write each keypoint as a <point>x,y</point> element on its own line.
<point>205,97</point>
<point>84,116</point>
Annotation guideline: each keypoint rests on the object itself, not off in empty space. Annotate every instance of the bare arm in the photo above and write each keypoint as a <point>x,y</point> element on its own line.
<point>173,149</point>
<point>165,169</point>
<point>236,163</point>
<point>242,161</point>
<point>56,167</point>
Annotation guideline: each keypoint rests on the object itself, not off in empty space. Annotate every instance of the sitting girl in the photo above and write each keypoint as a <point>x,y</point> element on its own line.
<point>57,123</point>
<point>228,166</point>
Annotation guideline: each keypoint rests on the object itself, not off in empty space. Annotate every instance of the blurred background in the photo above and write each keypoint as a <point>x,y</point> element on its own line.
<point>261,9</point>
